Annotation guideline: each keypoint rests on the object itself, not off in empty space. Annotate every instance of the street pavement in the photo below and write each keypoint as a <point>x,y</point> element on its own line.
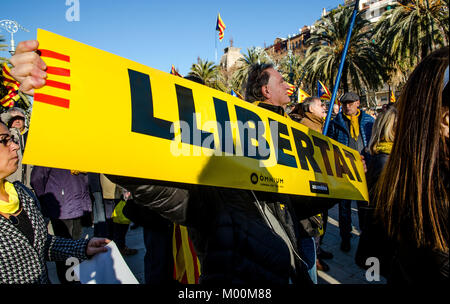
<point>343,269</point>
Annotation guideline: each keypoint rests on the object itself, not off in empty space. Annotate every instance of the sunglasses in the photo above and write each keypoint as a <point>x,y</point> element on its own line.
<point>6,141</point>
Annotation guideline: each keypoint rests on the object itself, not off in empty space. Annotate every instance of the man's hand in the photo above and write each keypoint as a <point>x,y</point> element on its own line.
<point>96,245</point>
<point>28,67</point>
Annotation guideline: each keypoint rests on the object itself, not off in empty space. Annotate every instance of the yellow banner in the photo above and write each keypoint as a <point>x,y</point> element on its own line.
<point>103,113</point>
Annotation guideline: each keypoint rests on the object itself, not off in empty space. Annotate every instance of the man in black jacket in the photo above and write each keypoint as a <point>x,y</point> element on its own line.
<point>240,236</point>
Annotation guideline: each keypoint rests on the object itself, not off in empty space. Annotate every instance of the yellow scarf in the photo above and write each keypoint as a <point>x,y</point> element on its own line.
<point>354,125</point>
<point>384,147</point>
<point>13,205</point>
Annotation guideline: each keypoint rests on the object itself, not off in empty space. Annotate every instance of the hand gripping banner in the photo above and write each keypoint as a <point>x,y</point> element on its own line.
<point>103,113</point>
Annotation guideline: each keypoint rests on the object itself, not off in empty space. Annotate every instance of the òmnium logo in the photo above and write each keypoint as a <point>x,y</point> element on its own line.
<point>266,180</point>
<point>254,178</point>
<point>317,187</point>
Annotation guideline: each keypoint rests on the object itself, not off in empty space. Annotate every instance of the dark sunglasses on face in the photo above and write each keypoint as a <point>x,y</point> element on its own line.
<point>7,140</point>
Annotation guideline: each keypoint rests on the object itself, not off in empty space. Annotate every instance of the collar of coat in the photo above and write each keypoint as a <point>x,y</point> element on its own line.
<point>271,107</point>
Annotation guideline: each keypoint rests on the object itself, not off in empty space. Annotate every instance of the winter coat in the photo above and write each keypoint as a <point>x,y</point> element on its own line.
<point>62,194</point>
<point>231,238</point>
<point>339,130</point>
<point>22,262</point>
<point>94,182</point>
<point>313,122</point>
<point>373,240</point>
<point>424,266</point>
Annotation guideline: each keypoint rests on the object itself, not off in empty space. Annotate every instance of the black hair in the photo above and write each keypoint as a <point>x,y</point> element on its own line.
<point>257,78</point>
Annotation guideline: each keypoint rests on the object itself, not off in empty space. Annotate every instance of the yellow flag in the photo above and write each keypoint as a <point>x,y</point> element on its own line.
<point>392,99</point>
<point>302,95</point>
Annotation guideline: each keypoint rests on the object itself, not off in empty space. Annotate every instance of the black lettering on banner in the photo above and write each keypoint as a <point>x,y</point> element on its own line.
<point>259,152</point>
<point>323,146</point>
<point>224,127</point>
<point>281,143</point>
<point>305,154</point>
<point>186,109</point>
<point>340,164</point>
<point>142,116</point>
<point>352,159</point>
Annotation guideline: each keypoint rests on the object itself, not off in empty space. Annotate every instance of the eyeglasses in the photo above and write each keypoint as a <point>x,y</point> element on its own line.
<point>8,139</point>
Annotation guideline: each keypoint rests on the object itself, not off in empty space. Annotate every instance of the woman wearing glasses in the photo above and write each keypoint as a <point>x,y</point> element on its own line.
<point>25,244</point>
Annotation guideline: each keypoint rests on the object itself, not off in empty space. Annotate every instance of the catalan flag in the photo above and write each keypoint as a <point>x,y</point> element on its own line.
<point>392,98</point>
<point>186,263</point>
<point>11,85</point>
<point>323,91</point>
<point>291,89</point>
<point>173,71</point>
<point>220,26</point>
<point>58,78</point>
<point>302,95</point>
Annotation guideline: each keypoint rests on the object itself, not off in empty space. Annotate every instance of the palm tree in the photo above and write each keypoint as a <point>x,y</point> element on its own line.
<point>290,67</point>
<point>412,30</point>
<point>364,65</point>
<point>254,55</point>
<point>209,73</point>
<point>205,70</point>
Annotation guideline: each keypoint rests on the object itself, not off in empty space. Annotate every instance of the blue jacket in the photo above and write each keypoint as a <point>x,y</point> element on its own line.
<point>339,130</point>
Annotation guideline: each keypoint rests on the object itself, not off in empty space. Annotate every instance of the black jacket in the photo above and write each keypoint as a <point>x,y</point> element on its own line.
<point>231,237</point>
<point>373,241</point>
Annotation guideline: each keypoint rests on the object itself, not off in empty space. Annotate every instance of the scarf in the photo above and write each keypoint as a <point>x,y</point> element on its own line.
<point>12,206</point>
<point>383,147</point>
<point>354,125</point>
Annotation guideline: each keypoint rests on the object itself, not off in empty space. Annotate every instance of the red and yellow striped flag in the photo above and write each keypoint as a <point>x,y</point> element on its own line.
<point>186,264</point>
<point>392,98</point>
<point>173,71</point>
<point>11,85</point>
<point>220,26</point>
<point>291,89</point>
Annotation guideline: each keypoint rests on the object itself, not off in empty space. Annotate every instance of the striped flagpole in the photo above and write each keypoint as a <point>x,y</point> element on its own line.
<point>341,67</point>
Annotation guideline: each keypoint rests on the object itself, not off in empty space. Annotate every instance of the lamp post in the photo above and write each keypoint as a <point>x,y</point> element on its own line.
<point>12,27</point>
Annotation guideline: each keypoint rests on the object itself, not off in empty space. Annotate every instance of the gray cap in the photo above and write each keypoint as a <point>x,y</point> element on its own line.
<point>349,97</point>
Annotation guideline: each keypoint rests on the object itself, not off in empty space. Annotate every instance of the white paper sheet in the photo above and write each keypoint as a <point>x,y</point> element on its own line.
<point>105,268</point>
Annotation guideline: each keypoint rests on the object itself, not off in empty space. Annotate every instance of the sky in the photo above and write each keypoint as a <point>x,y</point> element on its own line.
<point>164,32</point>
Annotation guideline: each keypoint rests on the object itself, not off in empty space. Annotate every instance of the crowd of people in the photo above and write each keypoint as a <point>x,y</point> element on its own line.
<point>244,236</point>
